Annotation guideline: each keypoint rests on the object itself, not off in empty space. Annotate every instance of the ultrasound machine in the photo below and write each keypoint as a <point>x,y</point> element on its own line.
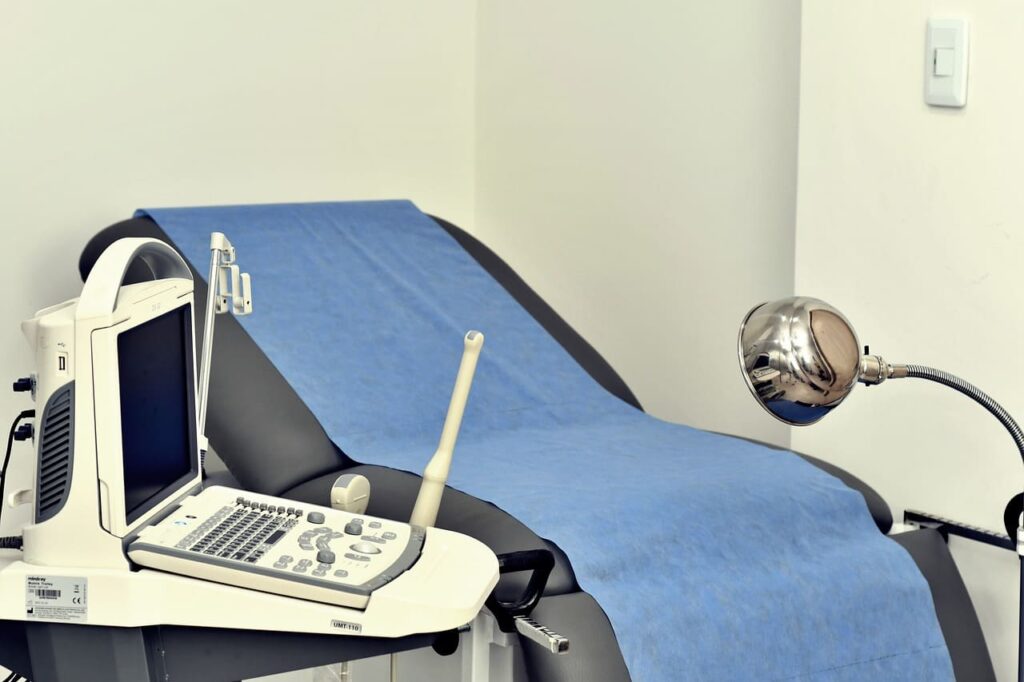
<point>124,534</point>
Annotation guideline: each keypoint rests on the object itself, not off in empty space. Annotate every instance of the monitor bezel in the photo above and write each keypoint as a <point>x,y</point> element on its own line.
<point>157,498</point>
<point>137,305</point>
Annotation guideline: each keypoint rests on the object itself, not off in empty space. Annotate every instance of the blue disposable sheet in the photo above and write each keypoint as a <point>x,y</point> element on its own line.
<point>715,558</point>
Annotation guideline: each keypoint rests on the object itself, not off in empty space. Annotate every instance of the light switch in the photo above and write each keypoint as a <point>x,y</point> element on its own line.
<point>945,75</point>
<point>943,61</point>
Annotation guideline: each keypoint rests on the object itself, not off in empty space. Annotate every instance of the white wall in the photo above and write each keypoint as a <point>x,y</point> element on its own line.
<point>110,106</point>
<point>614,167</point>
<point>910,221</point>
<point>636,164</point>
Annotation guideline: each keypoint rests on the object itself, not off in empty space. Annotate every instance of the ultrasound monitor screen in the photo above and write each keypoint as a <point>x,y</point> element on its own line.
<point>158,443</point>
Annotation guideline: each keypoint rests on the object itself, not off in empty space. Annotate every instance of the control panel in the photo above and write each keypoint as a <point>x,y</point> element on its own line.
<point>276,545</point>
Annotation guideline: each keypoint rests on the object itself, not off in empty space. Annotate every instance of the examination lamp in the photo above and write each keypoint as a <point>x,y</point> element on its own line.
<point>801,358</point>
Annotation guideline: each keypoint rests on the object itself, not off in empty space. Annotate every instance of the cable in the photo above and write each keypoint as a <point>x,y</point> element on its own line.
<point>15,541</point>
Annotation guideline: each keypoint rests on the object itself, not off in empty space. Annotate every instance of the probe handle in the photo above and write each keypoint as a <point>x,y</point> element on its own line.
<point>428,501</point>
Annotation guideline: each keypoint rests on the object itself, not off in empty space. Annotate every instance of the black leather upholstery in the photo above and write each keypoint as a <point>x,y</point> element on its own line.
<point>394,493</point>
<point>594,655</point>
<point>272,443</point>
<point>877,507</point>
<point>283,442</point>
<point>581,351</point>
<point>957,618</point>
<point>602,372</point>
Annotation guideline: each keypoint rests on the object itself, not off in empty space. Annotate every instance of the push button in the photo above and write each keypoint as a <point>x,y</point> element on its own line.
<point>315,517</point>
<point>365,548</point>
<point>356,557</point>
<point>943,62</point>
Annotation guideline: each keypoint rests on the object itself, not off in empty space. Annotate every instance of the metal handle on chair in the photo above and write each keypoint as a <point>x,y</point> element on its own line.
<point>513,616</point>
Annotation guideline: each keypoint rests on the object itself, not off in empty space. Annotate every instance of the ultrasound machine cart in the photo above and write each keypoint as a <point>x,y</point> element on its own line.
<point>131,570</point>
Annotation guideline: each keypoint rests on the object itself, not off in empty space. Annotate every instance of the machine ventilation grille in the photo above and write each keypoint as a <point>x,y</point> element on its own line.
<point>56,450</point>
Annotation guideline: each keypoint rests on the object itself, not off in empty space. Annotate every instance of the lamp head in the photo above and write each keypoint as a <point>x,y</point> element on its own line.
<point>800,358</point>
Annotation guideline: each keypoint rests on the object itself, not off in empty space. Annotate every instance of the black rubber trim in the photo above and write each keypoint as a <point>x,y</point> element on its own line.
<point>1011,514</point>
<point>539,563</point>
<point>249,458</point>
<point>582,352</point>
<point>250,428</point>
<point>877,506</point>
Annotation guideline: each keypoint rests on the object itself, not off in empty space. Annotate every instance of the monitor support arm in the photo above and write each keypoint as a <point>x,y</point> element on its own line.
<point>227,289</point>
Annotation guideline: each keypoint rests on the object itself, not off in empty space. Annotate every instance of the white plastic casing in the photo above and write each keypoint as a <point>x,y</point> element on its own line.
<point>81,335</point>
<point>435,475</point>
<point>351,493</point>
<point>85,539</point>
<point>445,589</point>
<point>946,59</point>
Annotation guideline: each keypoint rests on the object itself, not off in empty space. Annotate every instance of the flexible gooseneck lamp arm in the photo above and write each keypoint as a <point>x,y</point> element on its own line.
<point>801,358</point>
<point>887,371</point>
<point>996,410</point>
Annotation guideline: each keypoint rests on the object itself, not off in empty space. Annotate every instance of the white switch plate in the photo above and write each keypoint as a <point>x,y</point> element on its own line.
<point>945,63</point>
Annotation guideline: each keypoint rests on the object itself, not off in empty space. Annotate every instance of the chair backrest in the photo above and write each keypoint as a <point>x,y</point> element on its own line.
<point>258,424</point>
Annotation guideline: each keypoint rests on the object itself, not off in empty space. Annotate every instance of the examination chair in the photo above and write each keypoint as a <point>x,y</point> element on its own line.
<point>270,442</point>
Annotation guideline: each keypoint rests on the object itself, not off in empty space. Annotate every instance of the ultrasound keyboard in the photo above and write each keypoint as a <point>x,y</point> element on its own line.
<point>269,544</point>
<point>243,531</point>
